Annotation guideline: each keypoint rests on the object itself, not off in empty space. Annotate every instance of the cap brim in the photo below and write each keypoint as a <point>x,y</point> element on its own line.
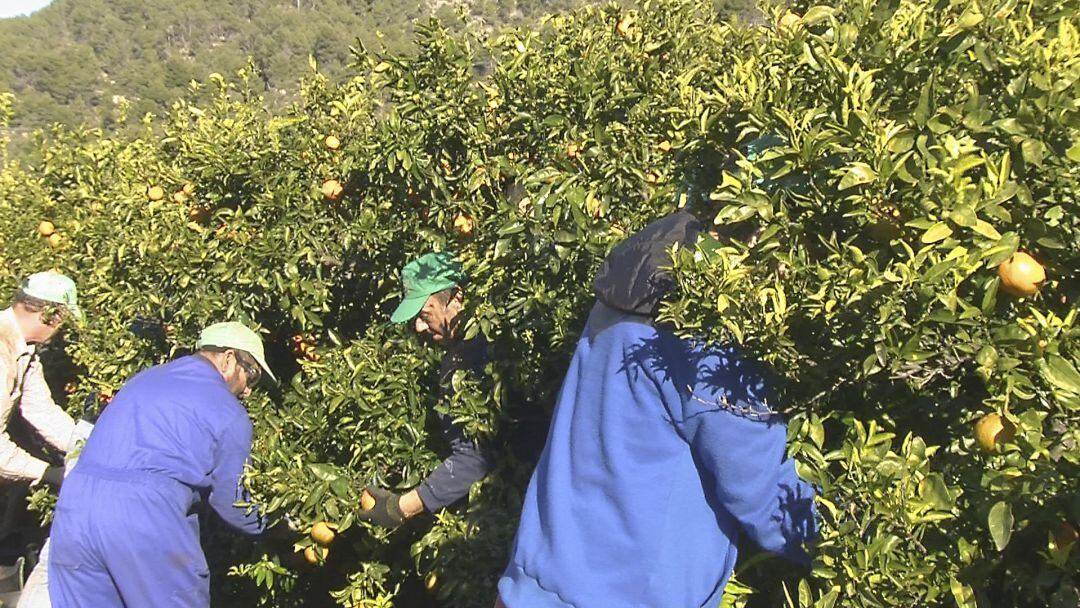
<point>409,308</point>
<point>265,367</point>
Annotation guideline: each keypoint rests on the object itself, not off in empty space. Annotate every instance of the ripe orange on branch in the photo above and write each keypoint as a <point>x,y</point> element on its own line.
<point>46,228</point>
<point>199,215</point>
<point>155,193</point>
<point>316,554</point>
<point>322,533</point>
<point>1021,275</point>
<point>1066,535</point>
<point>789,21</point>
<point>992,430</point>
<point>332,189</point>
<point>332,142</point>
<point>464,224</point>
<point>367,501</point>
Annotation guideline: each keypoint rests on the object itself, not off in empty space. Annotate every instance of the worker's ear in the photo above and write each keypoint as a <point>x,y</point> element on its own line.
<point>231,362</point>
<point>218,360</point>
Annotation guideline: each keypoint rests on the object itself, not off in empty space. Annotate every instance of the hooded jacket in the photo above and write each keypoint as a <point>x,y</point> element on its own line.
<point>662,453</point>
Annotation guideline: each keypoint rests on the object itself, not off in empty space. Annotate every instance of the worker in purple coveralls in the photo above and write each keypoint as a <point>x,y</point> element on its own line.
<point>126,529</point>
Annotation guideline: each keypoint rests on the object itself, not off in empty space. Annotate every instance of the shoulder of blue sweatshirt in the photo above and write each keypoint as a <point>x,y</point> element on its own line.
<point>662,451</point>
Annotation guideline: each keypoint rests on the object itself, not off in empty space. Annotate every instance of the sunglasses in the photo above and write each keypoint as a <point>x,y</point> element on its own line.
<point>252,371</point>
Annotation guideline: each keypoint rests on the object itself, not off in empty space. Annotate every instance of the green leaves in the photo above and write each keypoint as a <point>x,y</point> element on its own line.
<point>1000,522</point>
<point>963,594</point>
<point>938,232</point>
<point>1063,376</point>
<point>857,174</point>
<point>896,190</point>
<point>868,171</point>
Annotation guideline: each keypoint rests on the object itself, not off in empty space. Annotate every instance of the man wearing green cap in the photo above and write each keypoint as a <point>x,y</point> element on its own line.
<point>434,302</point>
<point>42,304</point>
<point>175,437</point>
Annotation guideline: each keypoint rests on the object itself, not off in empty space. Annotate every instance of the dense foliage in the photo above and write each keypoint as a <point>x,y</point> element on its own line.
<point>890,154</point>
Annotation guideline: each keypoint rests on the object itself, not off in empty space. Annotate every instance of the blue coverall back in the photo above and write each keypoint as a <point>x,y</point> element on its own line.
<point>126,528</point>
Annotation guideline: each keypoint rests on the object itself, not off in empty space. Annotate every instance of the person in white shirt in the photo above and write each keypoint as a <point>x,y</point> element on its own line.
<point>44,302</point>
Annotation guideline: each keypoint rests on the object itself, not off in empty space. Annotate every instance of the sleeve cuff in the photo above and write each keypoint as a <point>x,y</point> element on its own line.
<point>428,498</point>
<point>36,470</point>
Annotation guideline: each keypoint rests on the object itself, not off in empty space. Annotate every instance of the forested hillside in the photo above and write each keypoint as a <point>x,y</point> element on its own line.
<point>77,61</point>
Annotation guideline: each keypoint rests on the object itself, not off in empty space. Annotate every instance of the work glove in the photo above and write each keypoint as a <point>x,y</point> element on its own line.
<point>54,476</point>
<point>386,511</point>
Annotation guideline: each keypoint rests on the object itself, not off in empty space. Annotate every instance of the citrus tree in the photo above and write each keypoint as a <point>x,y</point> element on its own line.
<point>909,172</point>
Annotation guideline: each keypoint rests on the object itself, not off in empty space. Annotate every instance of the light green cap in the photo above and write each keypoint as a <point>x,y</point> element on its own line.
<point>53,287</point>
<point>231,334</point>
<point>428,274</point>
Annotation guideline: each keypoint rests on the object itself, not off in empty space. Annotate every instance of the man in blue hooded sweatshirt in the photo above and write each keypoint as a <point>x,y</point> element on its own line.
<point>126,528</point>
<point>662,452</point>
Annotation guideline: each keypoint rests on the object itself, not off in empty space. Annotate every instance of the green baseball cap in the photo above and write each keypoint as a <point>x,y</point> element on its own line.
<point>53,287</point>
<point>231,334</point>
<point>428,274</point>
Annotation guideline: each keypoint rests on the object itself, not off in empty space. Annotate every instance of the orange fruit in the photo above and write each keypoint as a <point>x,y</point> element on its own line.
<point>1021,275</point>
<point>431,583</point>
<point>789,21</point>
<point>316,554</point>
<point>46,228</point>
<point>1065,535</point>
<point>332,189</point>
<point>55,240</point>
<point>198,215</point>
<point>885,230</point>
<point>367,501</point>
<point>188,189</point>
<point>664,146</point>
<point>155,193</point>
<point>572,150</point>
<point>992,430</point>
<point>464,224</point>
<point>322,533</point>
<point>332,142</point>
<point>179,197</point>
